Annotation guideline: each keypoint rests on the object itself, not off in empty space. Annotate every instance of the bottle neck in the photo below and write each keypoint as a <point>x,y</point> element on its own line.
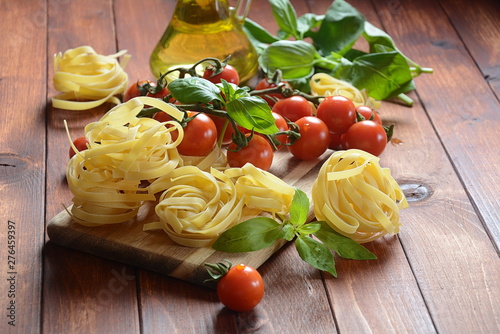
<point>200,12</point>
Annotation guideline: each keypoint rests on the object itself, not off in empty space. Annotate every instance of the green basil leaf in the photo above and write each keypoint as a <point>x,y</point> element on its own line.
<point>384,75</point>
<point>232,91</point>
<point>295,59</point>
<point>248,236</point>
<point>342,245</point>
<point>252,112</point>
<point>316,254</point>
<point>299,209</point>
<point>287,232</point>
<point>307,23</point>
<point>340,29</point>
<point>193,90</point>
<point>285,16</point>
<point>309,228</point>
<point>258,35</point>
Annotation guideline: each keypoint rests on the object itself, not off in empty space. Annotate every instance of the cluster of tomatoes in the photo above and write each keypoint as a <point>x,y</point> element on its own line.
<point>306,129</point>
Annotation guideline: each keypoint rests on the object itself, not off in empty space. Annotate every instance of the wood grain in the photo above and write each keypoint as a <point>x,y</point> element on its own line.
<point>22,163</point>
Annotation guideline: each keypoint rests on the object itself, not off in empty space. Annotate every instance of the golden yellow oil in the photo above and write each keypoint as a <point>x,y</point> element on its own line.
<point>200,29</point>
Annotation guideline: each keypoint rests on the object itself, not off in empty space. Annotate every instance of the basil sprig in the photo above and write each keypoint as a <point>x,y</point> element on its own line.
<point>384,71</point>
<point>315,241</point>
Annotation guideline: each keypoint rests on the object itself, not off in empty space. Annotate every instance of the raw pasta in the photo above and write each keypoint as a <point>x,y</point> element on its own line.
<point>123,152</point>
<point>325,85</point>
<point>87,79</point>
<point>357,197</point>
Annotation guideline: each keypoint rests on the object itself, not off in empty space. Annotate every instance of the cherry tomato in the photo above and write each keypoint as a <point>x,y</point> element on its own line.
<point>368,112</point>
<point>219,124</point>
<point>338,112</point>
<point>293,108</point>
<point>314,138</point>
<point>335,142</point>
<point>134,90</point>
<point>270,98</point>
<point>200,134</point>
<point>80,144</point>
<point>368,136</point>
<point>258,152</point>
<point>229,73</point>
<point>241,289</point>
<point>160,94</point>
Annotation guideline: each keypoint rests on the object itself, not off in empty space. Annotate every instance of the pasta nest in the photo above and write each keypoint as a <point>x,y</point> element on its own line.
<point>87,79</point>
<point>357,197</point>
<point>123,152</point>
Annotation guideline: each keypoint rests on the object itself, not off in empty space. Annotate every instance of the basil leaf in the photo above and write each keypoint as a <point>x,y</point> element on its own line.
<point>295,59</point>
<point>193,90</point>
<point>307,23</point>
<point>258,35</point>
<point>286,17</point>
<point>252,112</point>
<point>340,29</point>
<point>316,254</point>
<point>248,236</point>
<point>342,245</point>
<point>299,209</point>
<point>384,75</point>
<point>287,232</point>
<point>307,229</point>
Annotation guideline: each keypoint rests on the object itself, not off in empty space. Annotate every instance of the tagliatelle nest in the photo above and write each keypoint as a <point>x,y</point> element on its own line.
<point>357,197</point>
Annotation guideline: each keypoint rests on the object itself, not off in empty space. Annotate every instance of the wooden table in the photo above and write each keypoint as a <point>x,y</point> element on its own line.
<point>440,274</point>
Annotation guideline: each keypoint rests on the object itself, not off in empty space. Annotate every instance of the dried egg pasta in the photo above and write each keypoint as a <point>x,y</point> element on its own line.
<point>196,206</point>
<point>123,151</point>
<point>87,79</point>
<point>357,197</point>
<point>325,85</point>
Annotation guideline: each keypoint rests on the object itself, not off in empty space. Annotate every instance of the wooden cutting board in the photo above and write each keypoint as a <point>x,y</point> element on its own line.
<point>154,250</point>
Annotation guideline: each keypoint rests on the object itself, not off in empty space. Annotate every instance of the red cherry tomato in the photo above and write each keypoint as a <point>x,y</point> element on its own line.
<point>229,73</point>
<point>270,98</point>
<point>160,94</point>
<point>200,134</point>
<point>258,152</point>
<point>134,90</point>
<point>293,108</point>
<point>368,113</point>
<point>338,113</point>
<point>335,142</point>
<point>314,138</point>
<point>219,124</point>
<point>80,144</point>
<point>241,289</point>
<point>368,136</point>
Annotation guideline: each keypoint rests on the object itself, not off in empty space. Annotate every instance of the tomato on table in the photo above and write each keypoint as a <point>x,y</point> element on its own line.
<point>271,98</point>
<point>136,89</point>
<point>80,144</point>
<point>241,288</point>
<point>258,152</point>
<point>293,108</point>
<point>229,73</point>
<point>200,134</point>
<point>314,138</point>
<point>368,113</point>
<point>367,135</point>
<point>338,113</point>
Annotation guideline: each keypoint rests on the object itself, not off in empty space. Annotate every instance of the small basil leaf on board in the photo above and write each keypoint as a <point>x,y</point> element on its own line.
<point>345,247</point>
<point>307,23</point>
<point>316,254</point>
<point>299,209</point>
<point>248,236</point>
<point>252,112</point>
<point>309,228</point>
<point>286,17</point>
<point>287,232</point>
<point>341,27</point>
<point>295,59</point>
<point>194,90</point>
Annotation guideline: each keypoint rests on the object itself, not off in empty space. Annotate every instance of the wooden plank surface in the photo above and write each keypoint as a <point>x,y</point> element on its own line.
<point>440,274</point>
<point>22,163</point>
